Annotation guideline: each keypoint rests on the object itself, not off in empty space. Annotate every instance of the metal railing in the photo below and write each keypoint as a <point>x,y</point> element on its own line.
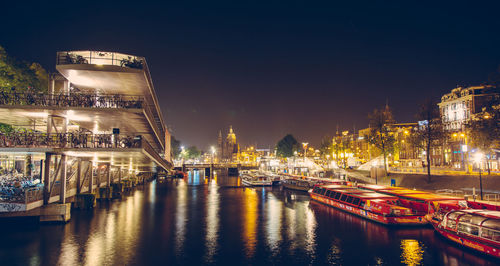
<point>73,100</point>
<point>68,140</point>
<point>12,194</point>
<point>100,58</point>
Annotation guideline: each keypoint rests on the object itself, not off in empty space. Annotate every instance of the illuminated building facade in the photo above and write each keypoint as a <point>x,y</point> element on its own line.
<point>458,106</point>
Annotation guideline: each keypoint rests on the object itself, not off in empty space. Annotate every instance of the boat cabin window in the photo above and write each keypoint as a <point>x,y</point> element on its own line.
<point>452,220</point>
<point>362,204</point>
<point>490,234</point>
<point>493,224</point>
<point>468,229</point>
<point>322,191</point>
<point>355,201</point>
<point>349,199</point>
<point>316,190</point>
<point>329,193</point>
<point>337,195</point>
<point>343,197</point>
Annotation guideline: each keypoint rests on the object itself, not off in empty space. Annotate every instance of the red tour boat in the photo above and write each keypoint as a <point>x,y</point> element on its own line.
<point>475,229</point>
<point>370,205</point>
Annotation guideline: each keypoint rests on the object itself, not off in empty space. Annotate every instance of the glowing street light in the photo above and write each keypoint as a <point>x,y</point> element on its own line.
<point>478,158</point>
<point>304,145</point>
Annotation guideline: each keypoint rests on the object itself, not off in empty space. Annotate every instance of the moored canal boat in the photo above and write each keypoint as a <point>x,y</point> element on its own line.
<point>370,205</point>
<point>256,180</point>
<point>298,184</point>
<point>475,229</point>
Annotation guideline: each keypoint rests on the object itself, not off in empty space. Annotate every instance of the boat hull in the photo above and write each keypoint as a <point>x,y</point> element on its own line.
<point>295,187</point>
<point>467,242</point>
<point>256,183</point>
<point>387,220</point>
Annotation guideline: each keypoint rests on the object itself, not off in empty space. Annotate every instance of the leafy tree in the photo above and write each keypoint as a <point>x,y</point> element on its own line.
<point>5,128</point>
<point>287,146</point>
<point>175,147</point>
<point>192,152</point>
<point>326,146</point>
<point>484,128</point>
<point>21,75</point>
<point>380,134</point>
<point>431,134</point>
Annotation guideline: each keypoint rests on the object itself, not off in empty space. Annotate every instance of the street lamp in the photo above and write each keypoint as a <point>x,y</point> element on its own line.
<point>478,157</point>
<point>304,145</point>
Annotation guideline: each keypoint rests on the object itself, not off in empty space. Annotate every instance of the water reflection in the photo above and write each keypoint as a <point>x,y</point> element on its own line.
<point>212,220</point>
<point>412,252</point>
<point>202,220</point>
<point>181,216</point>
<point>273,222</point>
<point>250,214</point>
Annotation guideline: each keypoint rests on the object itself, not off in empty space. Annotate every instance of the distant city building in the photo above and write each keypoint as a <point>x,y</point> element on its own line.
<point>458,106</point>
<point>228,148</point>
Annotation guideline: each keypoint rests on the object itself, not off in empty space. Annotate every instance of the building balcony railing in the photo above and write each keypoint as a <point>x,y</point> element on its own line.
<point>100,58</point>
<point>68,140</point>
<point>19,190</point>
<point>73,100</point>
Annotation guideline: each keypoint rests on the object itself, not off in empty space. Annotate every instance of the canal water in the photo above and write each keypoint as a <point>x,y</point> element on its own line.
<point>200,220</point>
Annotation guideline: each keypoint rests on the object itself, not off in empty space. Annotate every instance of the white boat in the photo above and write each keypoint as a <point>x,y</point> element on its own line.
<point>256,180</point>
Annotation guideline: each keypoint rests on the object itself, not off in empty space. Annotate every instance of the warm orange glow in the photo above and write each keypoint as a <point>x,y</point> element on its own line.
<point>250,221</point>
<point>412,252</point>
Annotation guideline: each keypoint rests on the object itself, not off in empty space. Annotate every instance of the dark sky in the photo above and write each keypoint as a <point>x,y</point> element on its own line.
<point>273,67</point>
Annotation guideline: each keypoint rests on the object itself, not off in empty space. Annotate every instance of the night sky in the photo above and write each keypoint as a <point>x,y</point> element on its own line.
<point>273,67</point>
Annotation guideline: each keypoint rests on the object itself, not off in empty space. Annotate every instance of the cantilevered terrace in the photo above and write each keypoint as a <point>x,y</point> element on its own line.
<point>101,109</point>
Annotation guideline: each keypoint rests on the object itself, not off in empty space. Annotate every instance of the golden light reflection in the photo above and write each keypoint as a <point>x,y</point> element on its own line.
<point>69,250</point>
<point>250,204</point>
<point>412,252</point>
<point>212,206</point>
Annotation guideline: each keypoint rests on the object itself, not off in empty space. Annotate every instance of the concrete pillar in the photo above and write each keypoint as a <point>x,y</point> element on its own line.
<point>98,176</point>
<point>64,172</point>
<point>108,175</point>
<point>49,124</point>
<point>46,178</point>
<point>91,176</point>
<point>66,87</point>
<point>78,176</point>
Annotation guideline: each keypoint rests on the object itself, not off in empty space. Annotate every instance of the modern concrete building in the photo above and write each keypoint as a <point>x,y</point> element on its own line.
<point>99,123</point>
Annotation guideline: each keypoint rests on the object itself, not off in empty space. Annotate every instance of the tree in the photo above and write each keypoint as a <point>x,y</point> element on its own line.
<point>175,147</point>
<point>21,75</point>
<point>380,134</point>
<point>484,129</point>
<point>326,146</point>
<point>193,152</point>
<point>5,128</point>
<point>430,133</point>
<point>287,146</point>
